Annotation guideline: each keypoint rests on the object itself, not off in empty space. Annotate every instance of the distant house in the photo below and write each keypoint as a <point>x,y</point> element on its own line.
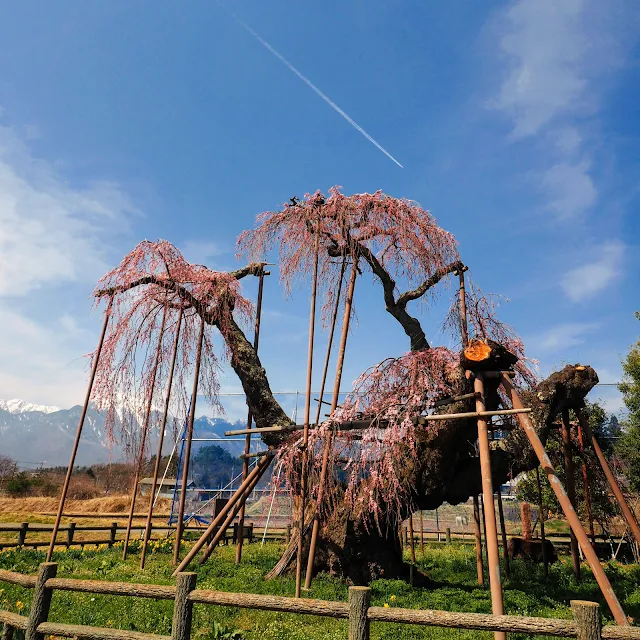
<point>167,487</point>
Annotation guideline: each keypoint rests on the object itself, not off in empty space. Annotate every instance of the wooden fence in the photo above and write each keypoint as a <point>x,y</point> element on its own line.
<point>111,534</point>
<point>586,624</point>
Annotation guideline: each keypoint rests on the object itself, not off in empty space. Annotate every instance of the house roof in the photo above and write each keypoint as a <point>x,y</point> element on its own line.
<point>167,482</point>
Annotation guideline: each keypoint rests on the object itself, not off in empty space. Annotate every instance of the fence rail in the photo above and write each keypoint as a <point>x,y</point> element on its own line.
<point>586,624</point>
<point>68,534</point>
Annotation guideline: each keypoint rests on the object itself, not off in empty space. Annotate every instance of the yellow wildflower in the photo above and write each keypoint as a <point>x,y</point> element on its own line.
<point>386,604</point>
<point>392,598</point>
<point>19,605</point>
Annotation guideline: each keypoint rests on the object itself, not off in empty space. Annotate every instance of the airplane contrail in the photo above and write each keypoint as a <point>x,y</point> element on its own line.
<point>310,84</point>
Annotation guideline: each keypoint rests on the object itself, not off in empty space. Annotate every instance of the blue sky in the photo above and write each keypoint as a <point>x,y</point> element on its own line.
<point>516,124</point>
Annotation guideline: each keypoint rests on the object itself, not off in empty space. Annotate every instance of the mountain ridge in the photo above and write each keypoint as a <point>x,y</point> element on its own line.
<point>40,434</point>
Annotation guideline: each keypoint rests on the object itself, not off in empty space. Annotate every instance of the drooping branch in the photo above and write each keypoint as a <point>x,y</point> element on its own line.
<point>155,276</point>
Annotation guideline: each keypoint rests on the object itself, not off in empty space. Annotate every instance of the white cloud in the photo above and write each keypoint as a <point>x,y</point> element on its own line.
<point>545,45</point>
<point>587,280</point>
<point>567,139</point>
<point>51,233</point>
<point>563,336</point>
<point>201,251</point>
<point>558,57</point>
<point>569,189</point>
<point>42,361</point>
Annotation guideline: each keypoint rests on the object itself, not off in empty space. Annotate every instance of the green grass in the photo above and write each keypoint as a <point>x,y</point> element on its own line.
<point>451,566</point>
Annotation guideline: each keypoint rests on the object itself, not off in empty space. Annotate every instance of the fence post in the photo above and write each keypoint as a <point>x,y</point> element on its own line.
<point>22,533</point>
<point>70,532</point>
<point>288,534</point>
<point>588,621</point>
<point>113,532</point>
<point>41,600</point>
<point>448,534</point>
<point>182,609</point>
<point>359,600</point>
<point>7,631</point>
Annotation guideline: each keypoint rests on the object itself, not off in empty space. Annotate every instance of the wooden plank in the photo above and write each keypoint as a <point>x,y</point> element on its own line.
<point>95,633</point>
<point>271,603</point>
<point>478,621</point>
<point>155,591</point>
<point>29,582</point>
<point>14,620</point>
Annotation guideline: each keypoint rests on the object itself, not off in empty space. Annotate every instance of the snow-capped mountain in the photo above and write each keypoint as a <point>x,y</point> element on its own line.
<point>21,406</point>
<point>43,434</point>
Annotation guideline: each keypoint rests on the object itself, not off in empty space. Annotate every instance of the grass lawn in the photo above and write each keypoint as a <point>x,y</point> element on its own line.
<point>451,566</point>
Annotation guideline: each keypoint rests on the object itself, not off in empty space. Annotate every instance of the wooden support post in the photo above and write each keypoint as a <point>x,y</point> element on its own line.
<point>611,479</point>
<point>571,488</point>
<point>260,468</point>
<point>163,424</point>
<point>143,439</point>
<point>307,417</point>
<point>247,442</point>
<point>76,443</point>
<point>70,532</point>
<point>288,534</point>
<point>334,403</point>
<point>421,534</point>
<point>183,607</point>
<point>448,535</point>
<point>22,533</point>
<point>359,601</point>
<point>41,600</point>
<point>187,451</point>
<point>503,534</point>
<point>412,544</point>
<point>491,533</point>
<point>478,539</point>
<point>113,533</point>
<point>587,619</point>
<point>545,559</point>
<point>565,503</point>
<point>587,488</point>
<point>229,519</point>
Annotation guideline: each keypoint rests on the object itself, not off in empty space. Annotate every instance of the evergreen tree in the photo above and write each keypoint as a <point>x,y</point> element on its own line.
<point>628,445</point>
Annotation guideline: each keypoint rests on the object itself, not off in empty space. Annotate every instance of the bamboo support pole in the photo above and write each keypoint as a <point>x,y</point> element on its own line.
<point>187,452</point>
<point>260,466</point>
<point>478,540</point>
<point>233,512</point>
<point>503,534</point>
<point>143,436</point>
<point>491,535</point>
<point>334,402</point>
<point>545,559</point>
<point>76,442</point>
<point>163,425</point>
<point>571,487</point>
<point>307,416</point>
<point>567,507</point>
<point>587,488</point>
<point>247,442</point>
<point>611,479</point>
<point>421,534</point>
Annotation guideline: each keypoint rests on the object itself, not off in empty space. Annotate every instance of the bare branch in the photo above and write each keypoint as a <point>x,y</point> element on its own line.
<point>430,282</point>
